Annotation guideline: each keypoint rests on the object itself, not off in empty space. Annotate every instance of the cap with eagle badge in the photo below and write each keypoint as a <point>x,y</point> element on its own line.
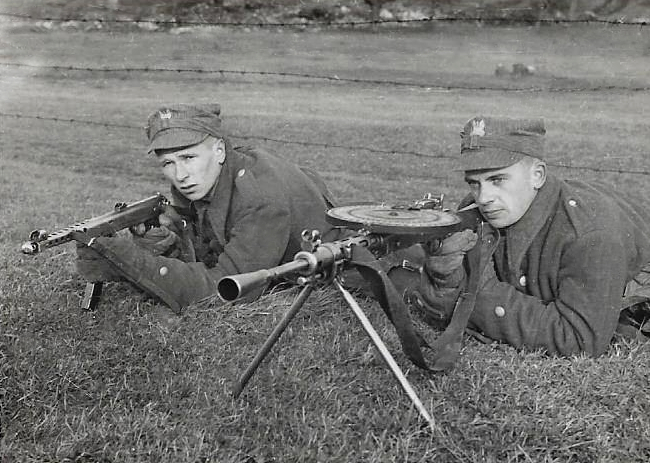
<point>495,143</point>
<point>180,126</point>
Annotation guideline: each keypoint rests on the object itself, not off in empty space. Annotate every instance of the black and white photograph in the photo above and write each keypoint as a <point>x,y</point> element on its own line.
<point>249,231</point>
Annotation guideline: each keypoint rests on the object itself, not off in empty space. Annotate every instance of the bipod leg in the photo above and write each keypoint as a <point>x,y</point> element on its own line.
<point>385,353</point>
<point>272,339</point>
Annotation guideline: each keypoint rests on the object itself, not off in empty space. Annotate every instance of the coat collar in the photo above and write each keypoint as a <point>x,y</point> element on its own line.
<point>219,206</point>
<point>521,234</point>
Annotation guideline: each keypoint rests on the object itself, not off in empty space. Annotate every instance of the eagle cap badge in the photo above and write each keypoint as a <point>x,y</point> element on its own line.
<point>478,128</point>
<point>165,114</point>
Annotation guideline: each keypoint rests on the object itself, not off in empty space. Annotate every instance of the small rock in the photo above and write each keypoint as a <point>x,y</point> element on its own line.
<point>522,70</point>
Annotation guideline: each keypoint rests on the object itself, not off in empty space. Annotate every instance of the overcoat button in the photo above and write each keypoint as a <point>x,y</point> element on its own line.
<point>499,311</point>
<point>163,271</point>
<point>241,172</point>
<point>573,203</point>
<point>522,280</point>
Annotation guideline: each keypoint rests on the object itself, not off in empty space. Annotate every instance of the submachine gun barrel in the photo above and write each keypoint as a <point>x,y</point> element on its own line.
<point>318,263</point>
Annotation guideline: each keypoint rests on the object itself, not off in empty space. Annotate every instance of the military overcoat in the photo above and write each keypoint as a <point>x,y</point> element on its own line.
<point>558,285</point>
<point>253,220</point>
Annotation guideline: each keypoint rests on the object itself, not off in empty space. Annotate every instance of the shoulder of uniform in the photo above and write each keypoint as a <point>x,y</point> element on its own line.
<point>257,179</point>
<point>254,157</point>
<point>245,162</point>
<point>588,206</point>
<point>250,151</point>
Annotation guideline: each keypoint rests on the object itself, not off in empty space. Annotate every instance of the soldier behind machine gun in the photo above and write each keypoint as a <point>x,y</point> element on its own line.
<point>559,265</point>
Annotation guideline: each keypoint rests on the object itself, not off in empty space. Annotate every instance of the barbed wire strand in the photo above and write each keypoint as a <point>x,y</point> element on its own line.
<point>242,137</point>
<point>329,23</point>
<point>312,144</point>
<point>224,72</point>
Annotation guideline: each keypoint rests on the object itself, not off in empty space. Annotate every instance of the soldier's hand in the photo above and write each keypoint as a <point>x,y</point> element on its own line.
<point>174,221</point>
<point>444,266</point>
<point>160,241</point>
<point>93,267</point>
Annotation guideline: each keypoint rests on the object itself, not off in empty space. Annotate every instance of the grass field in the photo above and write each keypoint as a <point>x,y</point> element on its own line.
<point>132,382</point>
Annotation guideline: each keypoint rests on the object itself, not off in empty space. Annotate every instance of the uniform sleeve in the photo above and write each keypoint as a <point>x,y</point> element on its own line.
<point>258,239</point>
<point>175,282</point>
<point>583,316</point>
<point>259,225</point>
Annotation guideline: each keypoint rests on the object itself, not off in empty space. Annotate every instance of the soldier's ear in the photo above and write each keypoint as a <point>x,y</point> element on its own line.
<point>219,149</point>
<point>538,173</point>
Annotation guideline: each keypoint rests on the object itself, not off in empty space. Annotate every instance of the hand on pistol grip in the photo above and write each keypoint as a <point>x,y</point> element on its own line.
<point>444,266</point>
<point>163,240</point>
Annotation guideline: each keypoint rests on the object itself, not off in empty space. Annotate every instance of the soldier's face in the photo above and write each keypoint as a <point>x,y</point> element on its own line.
<point>504,195</point>
<point>194,170</point>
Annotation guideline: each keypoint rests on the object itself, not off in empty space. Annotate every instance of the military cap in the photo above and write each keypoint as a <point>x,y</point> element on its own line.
<point>180,126</point>
<point>495,143</point>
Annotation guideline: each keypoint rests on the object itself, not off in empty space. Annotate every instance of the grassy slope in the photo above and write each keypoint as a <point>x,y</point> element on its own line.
<point>135,383</point>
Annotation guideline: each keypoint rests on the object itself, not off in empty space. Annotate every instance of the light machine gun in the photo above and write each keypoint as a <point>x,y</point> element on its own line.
<point>380,229</point>
<point>122,216</point>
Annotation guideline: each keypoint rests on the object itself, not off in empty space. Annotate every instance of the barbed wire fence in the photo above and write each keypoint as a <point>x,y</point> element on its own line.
<point>351,148</point>
<point>336,79</point>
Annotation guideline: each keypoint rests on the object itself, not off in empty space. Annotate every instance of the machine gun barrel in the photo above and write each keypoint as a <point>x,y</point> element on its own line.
<point>304,263</point>
<point>233,287</point>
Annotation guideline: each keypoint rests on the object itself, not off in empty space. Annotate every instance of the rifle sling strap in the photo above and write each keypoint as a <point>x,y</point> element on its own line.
<point>446,347</point>
<point>390,301</point>
<point>448,344</point>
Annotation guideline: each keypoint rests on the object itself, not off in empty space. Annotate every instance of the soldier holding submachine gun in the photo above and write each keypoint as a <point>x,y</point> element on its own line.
<point>222,197</point>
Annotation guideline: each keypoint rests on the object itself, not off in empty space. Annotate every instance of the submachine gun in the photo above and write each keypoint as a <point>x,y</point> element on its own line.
<point>375,230</point>
<point>145,211</point>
